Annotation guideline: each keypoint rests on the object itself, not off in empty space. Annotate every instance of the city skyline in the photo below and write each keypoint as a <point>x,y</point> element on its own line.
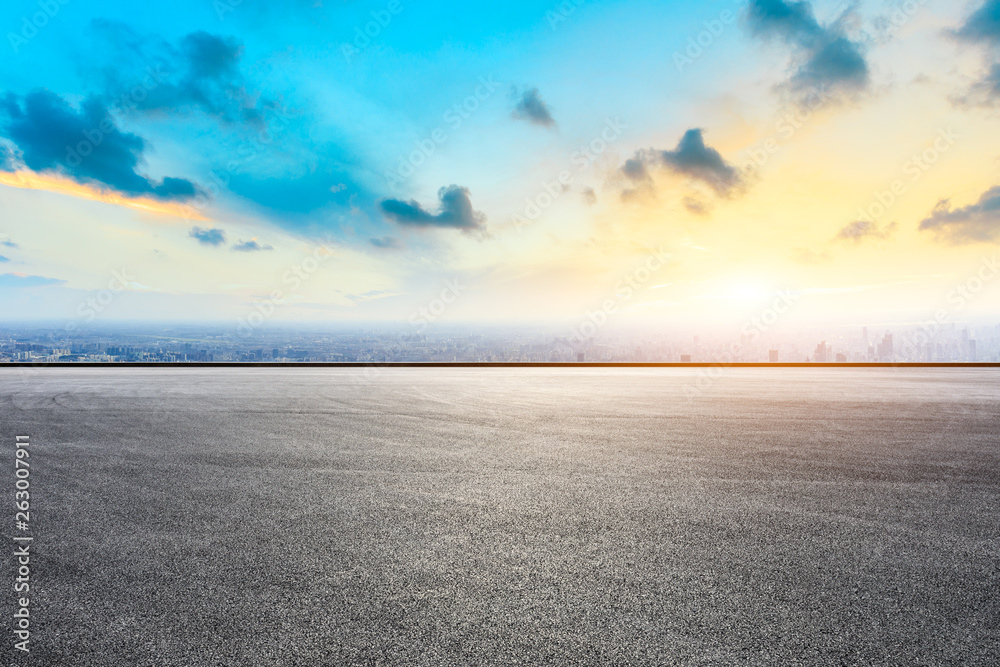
<point>201,343</point>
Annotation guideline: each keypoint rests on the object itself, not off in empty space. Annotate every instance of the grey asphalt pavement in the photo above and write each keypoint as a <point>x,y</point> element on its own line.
<point>507,516</point>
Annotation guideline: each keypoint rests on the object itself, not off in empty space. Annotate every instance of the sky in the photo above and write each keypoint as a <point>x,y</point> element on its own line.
<point>645,163</point>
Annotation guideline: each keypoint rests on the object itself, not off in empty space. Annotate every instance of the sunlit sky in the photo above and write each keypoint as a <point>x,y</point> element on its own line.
<point>532,161</point>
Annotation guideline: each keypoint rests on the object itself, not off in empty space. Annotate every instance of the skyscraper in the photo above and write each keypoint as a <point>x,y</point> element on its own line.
<point>885,352</point>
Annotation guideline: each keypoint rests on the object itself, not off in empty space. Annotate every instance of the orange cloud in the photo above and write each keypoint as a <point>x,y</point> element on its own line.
<point>29,180</point>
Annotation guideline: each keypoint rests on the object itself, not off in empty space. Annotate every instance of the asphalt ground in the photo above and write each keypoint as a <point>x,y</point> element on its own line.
<point>506,516</point>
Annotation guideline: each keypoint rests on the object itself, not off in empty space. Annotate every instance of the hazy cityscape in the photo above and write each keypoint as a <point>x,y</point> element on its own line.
<point>124,343</point>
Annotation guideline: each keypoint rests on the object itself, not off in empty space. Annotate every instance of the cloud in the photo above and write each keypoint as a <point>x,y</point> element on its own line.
<point>7,160</point>
<point>983,25</point>
<point>824,58</point>
<point>371,295</point>
<point>532,108</point>
<point>83,144</point>
<point>691,158</point>
<point>979,222</point>
<point>388,242</point>
<point>455,212</point>
<point>989,85</point>
<point>212,237</point>
<point>696,206</point>
<point>589,196</point>
<point>807,256</point>
<point>201,73</point>
<point>696,160</point>
<point>250,246</point>
<point>859,230</point>
<point>22,280</point>
<point>635,170</point>
<point>289,171</point>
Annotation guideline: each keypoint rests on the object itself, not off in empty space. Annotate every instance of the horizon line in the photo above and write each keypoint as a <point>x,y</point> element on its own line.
<point>500,364</point>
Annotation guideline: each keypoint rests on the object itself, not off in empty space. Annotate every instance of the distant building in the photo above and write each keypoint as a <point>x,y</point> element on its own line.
<point>884,351</point>
<point>580,357</point>
<point>685,358</point>
<point>772,356</point>
<point>819,356</point>
<point>841,358</point>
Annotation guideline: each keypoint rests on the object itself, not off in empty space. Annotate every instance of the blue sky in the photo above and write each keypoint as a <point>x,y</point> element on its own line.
<point>534,150</point>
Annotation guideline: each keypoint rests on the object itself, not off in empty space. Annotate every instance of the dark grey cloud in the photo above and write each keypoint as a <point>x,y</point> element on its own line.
<point>824,57</point>
<point>783,20</point>
<point>696,206</point>
<point>983,25</point>
<point>212,237</point>
<point>388,242</point>
<point>589,196</point>
<point>250,246</point>
<point>979,222</point>
<point>532,108</point>
<point>859,230</point>
<point>85,145</point>
<point>696,160</point>
<point>202,72</point>
<point>691,158</point>
<point>990,84</point>
<point>635,170</point>
<point>455,212</point>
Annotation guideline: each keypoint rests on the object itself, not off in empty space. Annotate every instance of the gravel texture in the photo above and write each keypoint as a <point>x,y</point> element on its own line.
<point>508,516</point>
